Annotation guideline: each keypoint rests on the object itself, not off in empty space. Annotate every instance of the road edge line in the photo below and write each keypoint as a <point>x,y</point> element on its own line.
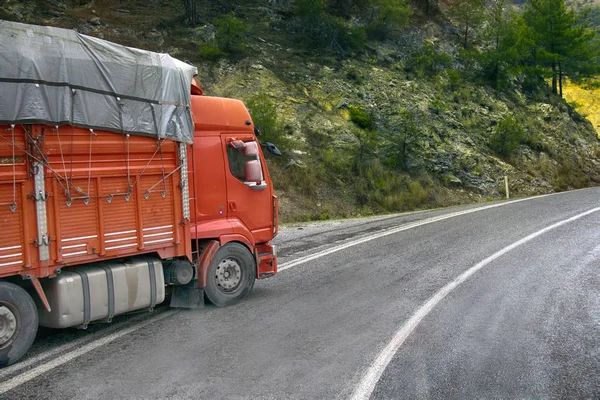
<point>391,231</point>
<point>25,377</point>
<point>370,378</point>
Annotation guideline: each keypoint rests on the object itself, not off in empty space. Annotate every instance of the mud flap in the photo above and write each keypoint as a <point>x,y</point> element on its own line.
<point>188,296</point>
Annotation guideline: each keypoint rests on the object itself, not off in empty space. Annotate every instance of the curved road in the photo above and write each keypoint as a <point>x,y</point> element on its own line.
<point>369,308</point>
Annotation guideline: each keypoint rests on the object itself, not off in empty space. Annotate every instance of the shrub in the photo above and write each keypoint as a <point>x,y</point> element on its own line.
<point>428,62</point>
<point>309,8</point>
<point>360,117</point>
<point>508,135</point>
<point>210,52</point>
<point>391,15</point>
<point>355,75</point>
<point>454,79</point>
<point>231,34</point>
<point>317,30</point>
<point>265,116</point>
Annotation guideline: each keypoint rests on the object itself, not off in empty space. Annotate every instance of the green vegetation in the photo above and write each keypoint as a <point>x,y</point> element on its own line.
<point>383,105</point>
<point>231,34</point>
<point>469,15</point>
<point>264,114</point>
<point>508,135</point>
<point>361,118</point>
<point>428,61</point>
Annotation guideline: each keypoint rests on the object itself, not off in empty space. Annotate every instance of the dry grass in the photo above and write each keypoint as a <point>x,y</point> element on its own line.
<point>588,101</point>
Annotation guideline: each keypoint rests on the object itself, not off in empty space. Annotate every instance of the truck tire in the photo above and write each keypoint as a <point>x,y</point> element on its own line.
<point>18,323</point>
<point>231,275</point>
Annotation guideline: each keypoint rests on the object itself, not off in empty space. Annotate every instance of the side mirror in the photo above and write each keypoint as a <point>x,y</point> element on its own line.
<point>254,178</point>
<point>237,144</point>
<point>271,148</point>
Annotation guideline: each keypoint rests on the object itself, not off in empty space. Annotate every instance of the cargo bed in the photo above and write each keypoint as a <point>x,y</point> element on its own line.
<point>72,196</point>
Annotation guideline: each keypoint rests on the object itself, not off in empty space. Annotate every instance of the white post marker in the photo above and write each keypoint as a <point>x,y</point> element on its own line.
<point>506,186</point>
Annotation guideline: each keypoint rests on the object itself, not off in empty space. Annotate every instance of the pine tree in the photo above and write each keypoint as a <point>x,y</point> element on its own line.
<point>469,15</point>
<point>508,43</point>
<point>561,43</point>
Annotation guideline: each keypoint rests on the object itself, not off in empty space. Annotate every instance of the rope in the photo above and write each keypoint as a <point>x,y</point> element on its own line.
<point>43,160</point>
<point>148,164</point>
<point>13,206</point>
<point>127,160</point>
<point>63,163</point>
<point>163,179</point>
<point>92,134</point>
<point>162,164</point>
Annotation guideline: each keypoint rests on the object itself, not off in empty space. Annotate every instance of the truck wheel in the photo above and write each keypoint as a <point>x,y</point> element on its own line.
<point>18,323</point>
<point>231,275</point>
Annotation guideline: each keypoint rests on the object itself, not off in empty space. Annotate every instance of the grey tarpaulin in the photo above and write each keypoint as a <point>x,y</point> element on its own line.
<point>60,77</point>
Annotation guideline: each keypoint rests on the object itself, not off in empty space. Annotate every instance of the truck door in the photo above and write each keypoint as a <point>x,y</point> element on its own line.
<point>249,197</point>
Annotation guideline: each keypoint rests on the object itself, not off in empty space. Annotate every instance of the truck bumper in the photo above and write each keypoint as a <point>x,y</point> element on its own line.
<point>266,260</point>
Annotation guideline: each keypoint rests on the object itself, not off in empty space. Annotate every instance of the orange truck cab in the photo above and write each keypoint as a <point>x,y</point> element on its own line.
<point>117,197</point>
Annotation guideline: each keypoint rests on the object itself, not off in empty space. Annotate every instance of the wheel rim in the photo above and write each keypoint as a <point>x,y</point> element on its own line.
<point>8,325</point>
<point>228,276</point>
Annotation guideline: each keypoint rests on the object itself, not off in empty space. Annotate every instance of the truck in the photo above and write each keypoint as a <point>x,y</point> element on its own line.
<point>122,186</point>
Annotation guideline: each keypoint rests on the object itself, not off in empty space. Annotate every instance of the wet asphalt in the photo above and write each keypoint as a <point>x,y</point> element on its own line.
<point>525,326</point>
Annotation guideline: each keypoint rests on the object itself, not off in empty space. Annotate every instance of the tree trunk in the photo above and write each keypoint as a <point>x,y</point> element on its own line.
<point>554,89</point>
<point>191,17</point>
<point>560,78</point>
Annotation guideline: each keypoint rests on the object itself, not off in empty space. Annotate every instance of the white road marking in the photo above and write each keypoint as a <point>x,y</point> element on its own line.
<point>65,358</point>
<point>37,371</point>
<point>392,231</point>
<point>367,384</point>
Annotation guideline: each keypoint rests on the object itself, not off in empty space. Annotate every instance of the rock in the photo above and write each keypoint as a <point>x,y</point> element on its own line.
<point>472,181</point>
<point>442,164</point>
<point>59,4</point>
<point>343,103</point>
<point>153,35</point>
<point>123,11</point>
<point>95,21</point>
<point>205,33</point>
<point>86,29</point>
<point>451,180</point>
<point>55,13</point>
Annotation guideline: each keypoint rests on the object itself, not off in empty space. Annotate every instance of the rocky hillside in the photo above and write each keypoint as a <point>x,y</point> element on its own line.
<point>395,126</point>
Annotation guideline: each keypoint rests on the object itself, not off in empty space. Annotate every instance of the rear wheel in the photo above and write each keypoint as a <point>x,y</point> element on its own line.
<point>231,275</point>
<point>18,323</point>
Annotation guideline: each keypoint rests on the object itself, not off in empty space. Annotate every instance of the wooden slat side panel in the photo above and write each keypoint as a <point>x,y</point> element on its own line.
<point>158,214</point>
<point>78,222</point>
<point>12,245</point>
<point>111,154</point>
<point>92,166</point>
<point>119,216</point>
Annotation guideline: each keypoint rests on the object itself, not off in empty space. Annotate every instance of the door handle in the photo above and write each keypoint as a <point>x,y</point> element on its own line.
<point>232,206</point>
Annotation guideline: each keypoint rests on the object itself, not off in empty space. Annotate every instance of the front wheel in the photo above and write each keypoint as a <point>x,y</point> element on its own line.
<point>18,323</point>
<point>231,275</point>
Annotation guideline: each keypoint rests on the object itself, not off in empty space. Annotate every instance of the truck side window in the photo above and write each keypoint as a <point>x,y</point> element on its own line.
<point>244,163</point>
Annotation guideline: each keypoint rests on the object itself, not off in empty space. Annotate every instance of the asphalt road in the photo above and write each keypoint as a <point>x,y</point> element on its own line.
<point>524,325</point>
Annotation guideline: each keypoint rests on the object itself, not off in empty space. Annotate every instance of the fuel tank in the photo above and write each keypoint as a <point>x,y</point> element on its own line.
<point>100,291</point>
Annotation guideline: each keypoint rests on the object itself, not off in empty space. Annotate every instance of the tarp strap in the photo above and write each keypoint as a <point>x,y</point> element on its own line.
<point>154,120</point>
<point>89,189</point>
<point>162,164</point>
<point>13,206</point>
<point>79,87</point>
<point>63,163</point>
